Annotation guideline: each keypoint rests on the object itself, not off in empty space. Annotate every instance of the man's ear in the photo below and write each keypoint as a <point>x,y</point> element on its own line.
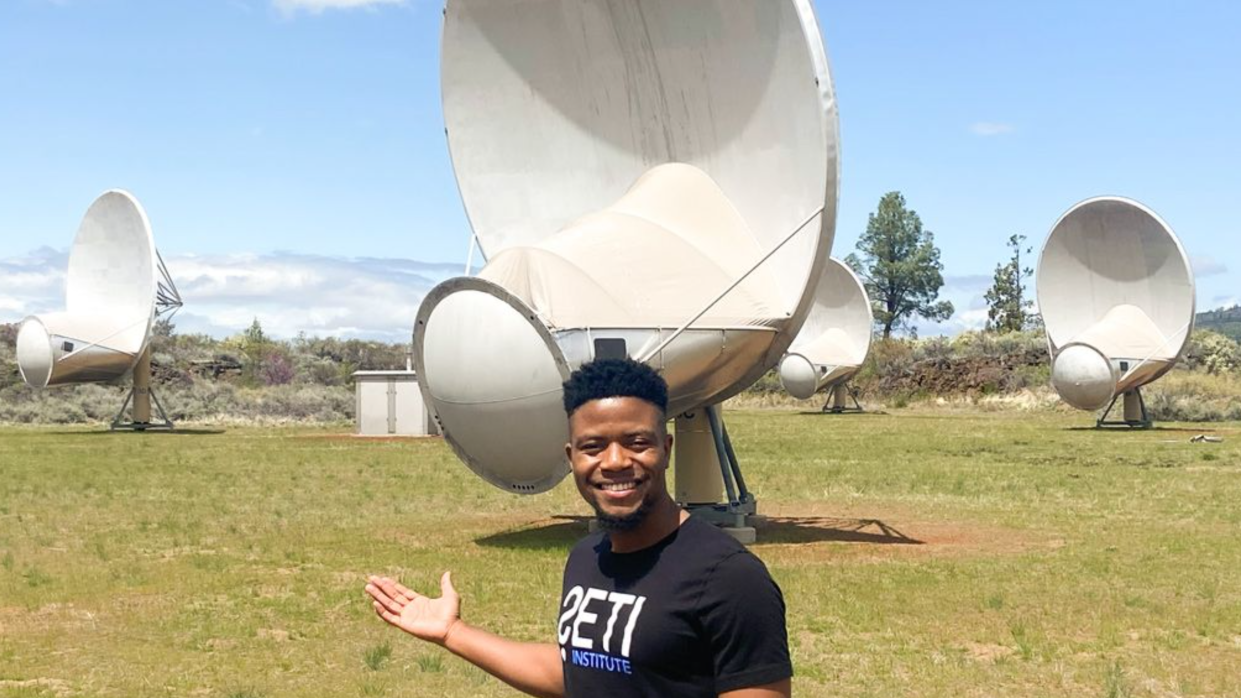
<point>568,452</point>
<point>668,443</point>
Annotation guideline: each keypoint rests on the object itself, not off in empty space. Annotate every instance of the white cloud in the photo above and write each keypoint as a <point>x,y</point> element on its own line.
<point>32,283</point>
<point>288,292</point>
<point>371,298</point>
<point>315,7</point>
<point>969,305</point>
<point>1207,266</point>
<point>991,128</point>
<point>973,319</point>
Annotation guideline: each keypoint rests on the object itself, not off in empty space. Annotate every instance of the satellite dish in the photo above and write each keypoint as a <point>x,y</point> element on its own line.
<point>834,341</point>
<point>116,286</point>
<point>649,179</point>
<point>1116,292</point>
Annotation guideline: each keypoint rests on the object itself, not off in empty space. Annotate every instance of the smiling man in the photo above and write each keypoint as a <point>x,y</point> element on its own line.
<point>656,603</point>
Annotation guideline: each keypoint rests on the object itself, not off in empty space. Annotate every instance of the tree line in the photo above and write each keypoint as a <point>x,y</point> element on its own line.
<point>899,265</point>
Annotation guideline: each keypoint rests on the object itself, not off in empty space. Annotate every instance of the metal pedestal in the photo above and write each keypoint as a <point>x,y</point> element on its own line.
<point>706,468</point>
<point>1134,411</point>
<point>838,401</point>
<point>141,396</point>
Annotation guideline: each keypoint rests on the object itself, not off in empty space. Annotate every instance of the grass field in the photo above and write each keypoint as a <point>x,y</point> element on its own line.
<point>922,553</point>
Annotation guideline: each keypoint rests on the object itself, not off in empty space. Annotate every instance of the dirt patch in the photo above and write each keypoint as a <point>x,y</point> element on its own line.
<point>816,533</point>
<point>59,615</point>
<point>56,687</point>
<point>273,634</point>
<point>989,654</point>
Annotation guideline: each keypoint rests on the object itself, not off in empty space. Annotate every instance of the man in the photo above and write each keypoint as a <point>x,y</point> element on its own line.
<point>657,603</point>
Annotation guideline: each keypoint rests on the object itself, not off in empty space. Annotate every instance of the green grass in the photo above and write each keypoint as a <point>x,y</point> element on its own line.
<point>377,656</point>
<point>923,553</point>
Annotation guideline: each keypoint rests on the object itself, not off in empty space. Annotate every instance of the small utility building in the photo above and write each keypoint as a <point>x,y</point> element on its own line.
<point>389,403</point>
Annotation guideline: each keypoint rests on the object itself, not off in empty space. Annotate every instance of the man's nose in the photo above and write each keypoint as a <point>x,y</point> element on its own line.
<point>614,457</point>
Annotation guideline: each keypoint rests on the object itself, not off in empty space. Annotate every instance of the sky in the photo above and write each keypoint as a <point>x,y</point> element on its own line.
<point>292,160</point>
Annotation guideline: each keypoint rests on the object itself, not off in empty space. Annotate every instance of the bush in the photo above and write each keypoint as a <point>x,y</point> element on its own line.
<point>1189,396</point>
<point>1212,352</point>
<point>276,369</point>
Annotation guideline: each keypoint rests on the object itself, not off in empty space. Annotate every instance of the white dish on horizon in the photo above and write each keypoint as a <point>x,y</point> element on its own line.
<point>1116,292</point>
<point>111,293</point>
<point>835,339</point>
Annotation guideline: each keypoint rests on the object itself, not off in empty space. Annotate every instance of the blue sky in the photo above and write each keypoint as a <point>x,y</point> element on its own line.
<point>291,154</point>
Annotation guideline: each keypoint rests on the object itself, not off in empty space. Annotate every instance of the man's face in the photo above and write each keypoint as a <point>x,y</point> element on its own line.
<point>618,448</point>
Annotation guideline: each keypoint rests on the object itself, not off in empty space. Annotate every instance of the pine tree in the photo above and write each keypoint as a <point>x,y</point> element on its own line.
<point>1008,309</point>
<point>899,265</point>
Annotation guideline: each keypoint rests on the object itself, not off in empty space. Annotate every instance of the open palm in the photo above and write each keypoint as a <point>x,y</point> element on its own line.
<point>423,617</point>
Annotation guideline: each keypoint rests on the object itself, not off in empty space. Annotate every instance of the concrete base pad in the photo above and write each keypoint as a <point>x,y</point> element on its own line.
<point>746,535</point>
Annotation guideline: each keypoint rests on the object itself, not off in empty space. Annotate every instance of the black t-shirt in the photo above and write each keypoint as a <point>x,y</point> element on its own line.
<point>696,614</point>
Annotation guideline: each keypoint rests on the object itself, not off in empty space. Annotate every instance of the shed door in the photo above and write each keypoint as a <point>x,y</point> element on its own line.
<point>409,415</point>
<point>373,407</point>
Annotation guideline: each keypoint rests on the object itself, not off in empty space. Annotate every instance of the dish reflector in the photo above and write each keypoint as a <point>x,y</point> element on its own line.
<point>622,164</point>
<point>1116,292</point>
<point>833,343</point>
<point>111,295</point>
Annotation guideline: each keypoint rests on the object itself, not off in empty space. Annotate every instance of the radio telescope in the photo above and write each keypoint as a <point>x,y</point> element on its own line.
<point>649,179</point>
<point>1116,292</point>
<point>116,287</point>
<point>834,342</point>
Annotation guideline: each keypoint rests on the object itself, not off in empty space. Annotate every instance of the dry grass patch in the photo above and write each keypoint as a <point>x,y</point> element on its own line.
<point>926,552</point>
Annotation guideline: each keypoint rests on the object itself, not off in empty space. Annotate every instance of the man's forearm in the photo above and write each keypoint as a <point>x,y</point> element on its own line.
<point>529,667</point>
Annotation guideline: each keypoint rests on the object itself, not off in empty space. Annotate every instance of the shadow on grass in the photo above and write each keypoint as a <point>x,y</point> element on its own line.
<point>150,432</point>
<point>563,532</point>
<point>817,529</point>
<point>821,413</point>
<point>1133,430</point>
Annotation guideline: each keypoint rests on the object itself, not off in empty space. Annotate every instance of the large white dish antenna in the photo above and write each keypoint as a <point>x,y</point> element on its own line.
<point>622,165</point>
<point>833,343</point>
<point>111,294</point>
<point>1116,292</point>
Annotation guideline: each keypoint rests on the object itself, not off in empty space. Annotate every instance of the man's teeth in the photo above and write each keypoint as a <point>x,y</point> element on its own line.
<point>619,486</point>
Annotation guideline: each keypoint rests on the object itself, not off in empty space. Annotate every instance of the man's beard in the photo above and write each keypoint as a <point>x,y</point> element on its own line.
<point>628,522</point>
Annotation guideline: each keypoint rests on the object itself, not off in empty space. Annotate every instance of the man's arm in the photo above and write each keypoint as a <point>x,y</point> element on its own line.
<point>531,668</point>
<point>779,689</point>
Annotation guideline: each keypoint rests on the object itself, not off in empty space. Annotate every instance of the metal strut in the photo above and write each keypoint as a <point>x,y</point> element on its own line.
<point>167,302</point>
<point>119,424</point>
<point>1135,415</point>
<point>741,505</point>
<point>834,405</point>
<point>167,298</point>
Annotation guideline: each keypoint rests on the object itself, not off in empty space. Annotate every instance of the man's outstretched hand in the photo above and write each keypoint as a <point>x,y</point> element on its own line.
<point>424,618</point>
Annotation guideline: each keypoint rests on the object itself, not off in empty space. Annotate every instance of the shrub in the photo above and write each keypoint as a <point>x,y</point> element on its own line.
<point>1212,352</point>
<point>276,369</point>
<point>1186,396</point>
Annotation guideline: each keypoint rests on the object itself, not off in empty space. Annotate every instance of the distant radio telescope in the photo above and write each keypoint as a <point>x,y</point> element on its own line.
<point>116,287</point>
<point>1116,292</point>
<point>647,178</point>
<point>834,341</point>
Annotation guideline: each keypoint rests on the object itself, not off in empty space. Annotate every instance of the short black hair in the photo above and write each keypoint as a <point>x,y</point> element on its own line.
<point>604,378</point>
